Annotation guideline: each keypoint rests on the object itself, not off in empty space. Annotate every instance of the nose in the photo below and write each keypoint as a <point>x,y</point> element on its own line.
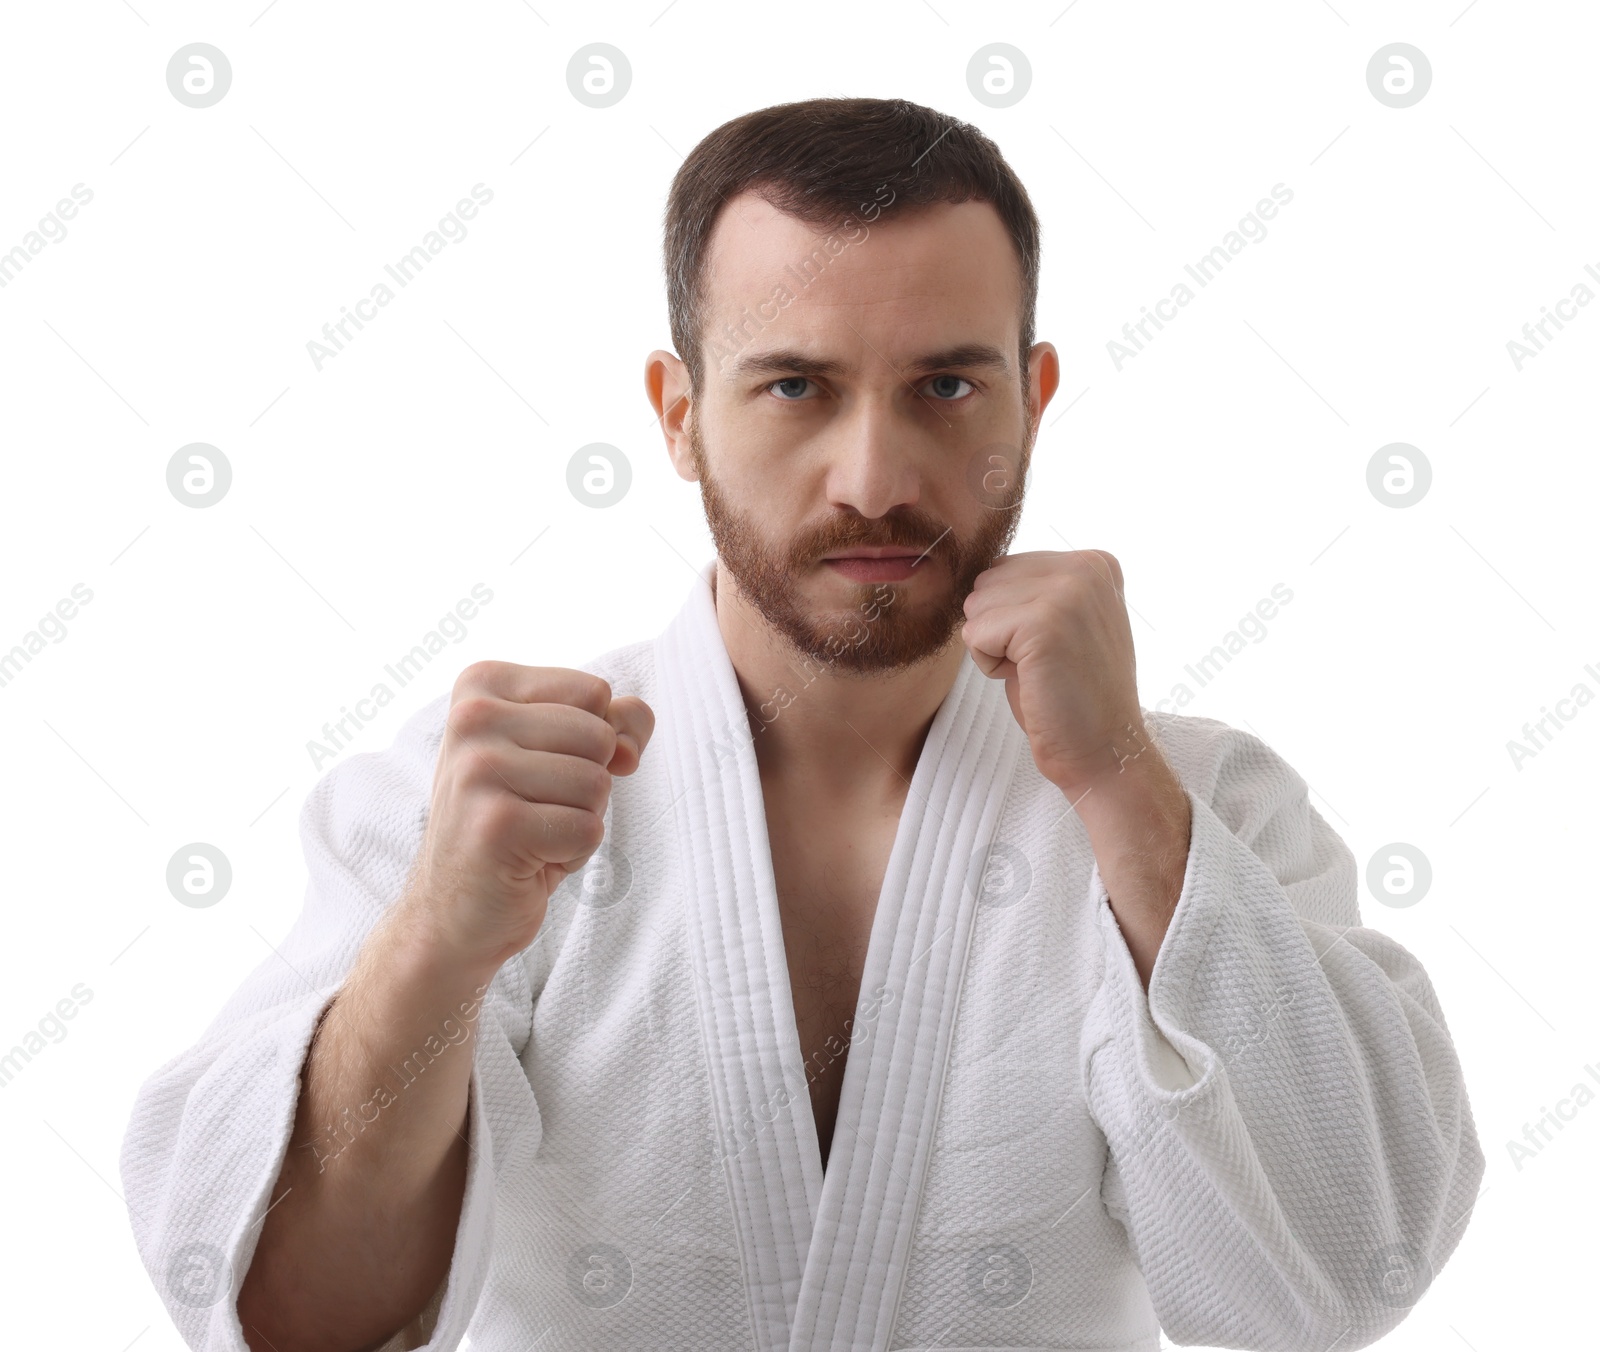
<point>874,468</point>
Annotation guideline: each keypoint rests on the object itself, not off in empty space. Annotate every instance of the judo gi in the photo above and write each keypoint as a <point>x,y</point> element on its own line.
<point>1272,1149</point>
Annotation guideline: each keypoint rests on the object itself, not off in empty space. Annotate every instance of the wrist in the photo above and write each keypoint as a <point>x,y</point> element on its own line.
<point>1131,768</point>
<point>423,951</point>
<point>1138,813</point>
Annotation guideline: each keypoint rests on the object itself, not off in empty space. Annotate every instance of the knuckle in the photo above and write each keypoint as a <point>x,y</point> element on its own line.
<point>593,781</point>
<point>480,675</point>
<point>491,765</point>
<point>499,819</point>
<point>472,714</point>
<point>589,830</point>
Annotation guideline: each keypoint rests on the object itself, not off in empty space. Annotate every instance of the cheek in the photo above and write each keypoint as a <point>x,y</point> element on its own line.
<point>767,471</point>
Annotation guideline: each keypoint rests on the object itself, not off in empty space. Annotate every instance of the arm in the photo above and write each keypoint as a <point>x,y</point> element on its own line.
<point>365,1210</point>
<point>214,1127</point>
<point>1138,821</point>
<point>414,901</point>
<point>1289,1142</point>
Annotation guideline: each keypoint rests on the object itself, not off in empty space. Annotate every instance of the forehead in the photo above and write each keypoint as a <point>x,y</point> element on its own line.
<point>946,272</point>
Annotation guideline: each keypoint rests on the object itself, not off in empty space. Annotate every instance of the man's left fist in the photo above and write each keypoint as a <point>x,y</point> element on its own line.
<point>1054,626</point>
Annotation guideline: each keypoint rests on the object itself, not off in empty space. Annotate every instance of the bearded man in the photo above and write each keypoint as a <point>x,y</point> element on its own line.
<point>855,965</point>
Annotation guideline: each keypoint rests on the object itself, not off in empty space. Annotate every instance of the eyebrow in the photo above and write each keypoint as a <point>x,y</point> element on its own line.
<point>969,355</point>
<point>791,361</point>
<point>783,359</point>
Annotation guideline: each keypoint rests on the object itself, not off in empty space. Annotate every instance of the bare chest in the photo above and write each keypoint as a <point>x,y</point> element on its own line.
<point>828,873</point>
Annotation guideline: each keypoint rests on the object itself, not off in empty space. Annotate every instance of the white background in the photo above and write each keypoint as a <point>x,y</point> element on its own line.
<point>430,455</point>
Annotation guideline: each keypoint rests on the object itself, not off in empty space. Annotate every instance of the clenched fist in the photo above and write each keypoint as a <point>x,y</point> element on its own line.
<point>519,791</point>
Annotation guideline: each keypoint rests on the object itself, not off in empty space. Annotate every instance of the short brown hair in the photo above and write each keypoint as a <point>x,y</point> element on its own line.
<point>820,160</point>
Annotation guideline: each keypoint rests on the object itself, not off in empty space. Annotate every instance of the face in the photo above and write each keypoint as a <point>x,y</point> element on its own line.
<point>863,431</point>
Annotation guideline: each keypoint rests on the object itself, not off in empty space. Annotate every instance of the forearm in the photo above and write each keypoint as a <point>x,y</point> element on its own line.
<point>1138,821</point>
<point>364,1212</point>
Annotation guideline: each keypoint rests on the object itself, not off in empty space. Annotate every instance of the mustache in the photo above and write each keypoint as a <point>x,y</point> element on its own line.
<point>912,530</point>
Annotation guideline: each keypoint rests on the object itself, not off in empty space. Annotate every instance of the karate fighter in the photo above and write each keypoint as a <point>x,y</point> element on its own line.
<point>855,965</point>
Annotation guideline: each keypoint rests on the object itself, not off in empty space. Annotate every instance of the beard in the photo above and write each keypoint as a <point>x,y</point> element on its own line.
<point>881,630</point>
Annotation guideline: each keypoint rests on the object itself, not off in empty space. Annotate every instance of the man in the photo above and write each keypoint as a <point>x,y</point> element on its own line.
<point>855,965</point>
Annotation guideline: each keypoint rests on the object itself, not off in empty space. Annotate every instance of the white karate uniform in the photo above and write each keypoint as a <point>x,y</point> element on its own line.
<point>1274,1149</point>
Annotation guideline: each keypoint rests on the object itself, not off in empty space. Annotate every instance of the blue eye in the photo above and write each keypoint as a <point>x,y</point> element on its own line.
<point>793,396</point>
<point>946,394</point>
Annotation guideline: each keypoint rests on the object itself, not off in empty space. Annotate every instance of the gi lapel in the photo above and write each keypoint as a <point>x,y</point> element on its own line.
<point>910,988</point>
<point>825,1259</point>
<point>768,1143</point>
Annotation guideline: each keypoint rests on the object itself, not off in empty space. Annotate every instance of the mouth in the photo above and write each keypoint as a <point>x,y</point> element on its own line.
<point>876,552</point>
<point>882,563</point>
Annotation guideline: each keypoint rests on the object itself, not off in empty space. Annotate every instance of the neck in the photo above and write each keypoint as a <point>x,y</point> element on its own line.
<point>837,732</point>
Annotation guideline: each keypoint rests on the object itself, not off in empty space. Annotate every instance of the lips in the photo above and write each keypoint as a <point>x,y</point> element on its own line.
<point>875,566</point>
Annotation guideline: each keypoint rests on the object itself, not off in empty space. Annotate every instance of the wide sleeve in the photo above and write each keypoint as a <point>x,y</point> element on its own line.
<point>210,1128</point>
<point>1290,1148</point>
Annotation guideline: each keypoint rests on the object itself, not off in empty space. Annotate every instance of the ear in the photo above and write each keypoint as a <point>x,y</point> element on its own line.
<point>1044,378</point>
<point>666,385</point>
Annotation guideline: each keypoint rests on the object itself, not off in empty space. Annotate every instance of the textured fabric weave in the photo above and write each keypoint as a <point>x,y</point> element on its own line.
<point>1272,1149</point>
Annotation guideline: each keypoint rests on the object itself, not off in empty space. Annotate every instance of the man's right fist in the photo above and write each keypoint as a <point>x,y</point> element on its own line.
<point>519,790</point>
